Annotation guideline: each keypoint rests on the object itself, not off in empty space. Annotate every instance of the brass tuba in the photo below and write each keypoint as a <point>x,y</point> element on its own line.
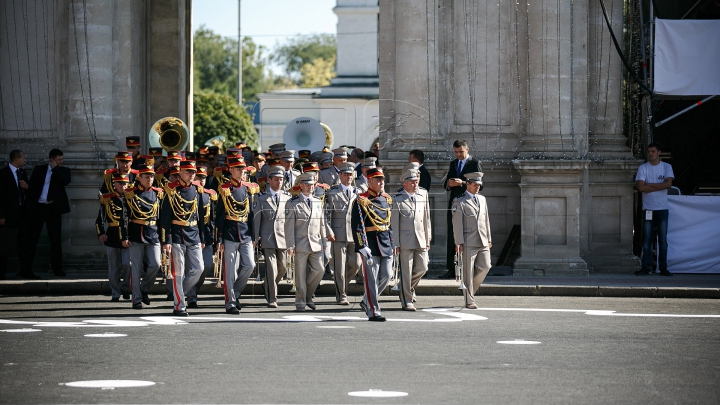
<point>170,133</point>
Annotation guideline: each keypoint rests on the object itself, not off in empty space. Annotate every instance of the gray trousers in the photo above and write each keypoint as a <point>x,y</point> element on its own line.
<point>238,264</point>
<point>118,270</point>
<point>275,269</point>
<point>476,264</point>
<point>345,264</point>
<point>309,270</point>
<point>413,264</point>
<point>140,283</point>
<point>207,255</point>
<point>187,265</point>
<point>376,279</point>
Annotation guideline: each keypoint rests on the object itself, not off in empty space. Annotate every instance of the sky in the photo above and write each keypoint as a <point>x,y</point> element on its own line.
<point>268,22</point>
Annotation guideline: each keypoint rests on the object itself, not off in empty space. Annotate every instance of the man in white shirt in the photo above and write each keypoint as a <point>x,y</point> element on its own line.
<point>653,179</point>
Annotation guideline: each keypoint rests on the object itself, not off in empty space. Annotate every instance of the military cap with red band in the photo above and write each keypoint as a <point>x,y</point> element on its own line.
<point>236,162</point>
<point>311,167</point>
<point>124,156</point>
<point>304,154</point>
<point>174,155</point>
<point>275,162</point>
<point>120,178</point>
<point>201,171</point>
<point>132,141</point>
<point>233,153</point>
<point>157,152</point>
<point>188,165</point>
<point>146,168</point>
<point>240,145</point>
<point>378,172</point>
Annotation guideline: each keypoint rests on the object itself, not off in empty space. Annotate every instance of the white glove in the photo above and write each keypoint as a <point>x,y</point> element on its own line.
<point>366,252</point>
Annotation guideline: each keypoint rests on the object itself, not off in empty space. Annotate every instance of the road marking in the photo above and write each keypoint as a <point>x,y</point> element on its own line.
<point>377,394</point>
<point>102,335</point>
<point>21,330</point>
<point>518,342</point>
<point>597,312</point>
<point>335,327</point>
<point>109,384</point>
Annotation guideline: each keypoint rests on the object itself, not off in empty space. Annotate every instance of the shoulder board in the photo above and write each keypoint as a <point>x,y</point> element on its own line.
<point>296,188</point>
<point>130,189</point>
<point>335,187</point>
<point>107,196</point>
<point>322,185</point>
<point>170,187</point>
<point>386,195</point>
<point>158,189</point>
<point>197,183</point>
<point>110,171</point>
<point>398,193</point>
<point>209,191</point>
<point>217,170</point>
<point>295,197</point>
<point>130,193</point>
<point>161,170</point>
<point>262,179</point>
<point>364,195</point>
<point>226,185</point>
<point>134,171</point>
<point>173,184</point>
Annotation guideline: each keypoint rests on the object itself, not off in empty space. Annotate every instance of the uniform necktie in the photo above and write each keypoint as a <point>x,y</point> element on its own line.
<point>277,200</point>
<point>347,193</point>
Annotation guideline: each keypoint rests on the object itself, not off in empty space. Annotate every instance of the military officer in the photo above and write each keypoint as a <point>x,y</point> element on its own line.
<point>275,151</point>
<point>110,232</point>
<point>471,228</point>
<point>291,175</point>
<point>345,261</point>
<point>371,217</point>
<point>123,161</point>
<point>366,164</point>
<point>410,223</point>
<point>159,159</point>
<point>132,144</point>
<point>182,232</point>
<point>141,237</point>
<point>269,231</point>
<point>174,157</point>
<point>331,175</point>
<point>305,232</point>
<point>325,160</point>
<point>208,199</point>
<point>234,226</point>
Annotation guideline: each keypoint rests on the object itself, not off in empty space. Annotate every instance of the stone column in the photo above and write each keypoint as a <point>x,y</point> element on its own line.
<point>550,219</point>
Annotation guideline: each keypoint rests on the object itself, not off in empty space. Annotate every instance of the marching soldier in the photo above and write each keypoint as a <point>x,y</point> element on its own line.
<point>162,177</point>
<point>345,260</point>
<point>373,237</point>
<point>325,160</point>
<point>471,228</point>
<point>208,199</point>
<point>182,232</point>
<point>331,176</point>
<point>234,233</point>
<point>123,161</point>
<point>111,215</point>
<point>362,182</point>
<point>275,151</point>
<point>269,231</point>
<point>305,232</point>
<point>410,223</point>
<point>159,159</point>
<point>291,175</point>
<point>142,210</point>
<point>132,144</point>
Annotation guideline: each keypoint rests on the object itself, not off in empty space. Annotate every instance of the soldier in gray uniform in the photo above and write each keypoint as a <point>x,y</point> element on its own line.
<point>362,182</point>
<point>291,175</point>
<point>269,231</point>
<point>325,160</point>
<point>305,232</point>
<point>331,175</point>
<point>410,222</point>
<point>471,226</point>
<point>345,261</point>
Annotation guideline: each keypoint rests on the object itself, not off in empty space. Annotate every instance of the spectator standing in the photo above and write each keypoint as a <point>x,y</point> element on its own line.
<point>653,179</point>
<point>417,156</point>
<point>49,201</point>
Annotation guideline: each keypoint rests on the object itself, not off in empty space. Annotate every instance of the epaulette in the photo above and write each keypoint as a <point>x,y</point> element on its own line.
<point>158,189</point>
<point>335,187</point>
<point>110,171</point>
<point>262,179</point>
<point>134,171</point>
<point>295,197</point>
<point>210,191</point>
<point>161,170</point>
<point>106,196</point>
<point>218,170</point>
<point>226,185</point>
<point>322,185</point>
<point>253,188</point>
<point>170,187</point>
<point>197,183</point>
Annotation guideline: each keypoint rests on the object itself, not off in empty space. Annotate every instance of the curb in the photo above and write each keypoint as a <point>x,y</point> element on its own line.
<point>327,288</point>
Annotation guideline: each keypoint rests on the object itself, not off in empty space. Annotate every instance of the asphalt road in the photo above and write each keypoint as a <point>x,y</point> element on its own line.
<point>646,351</point>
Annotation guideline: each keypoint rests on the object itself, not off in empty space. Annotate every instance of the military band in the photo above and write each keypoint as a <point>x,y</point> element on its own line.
<point>314,212</point>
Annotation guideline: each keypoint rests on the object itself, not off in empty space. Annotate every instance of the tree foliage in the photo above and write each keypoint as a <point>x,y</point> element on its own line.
<point>216,65</point>
<point>319,73</point>
<point>219,114</point>
<point>302,50</point>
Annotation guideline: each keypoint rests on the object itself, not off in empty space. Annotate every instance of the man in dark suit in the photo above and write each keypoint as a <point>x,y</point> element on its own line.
<point>455,183</point>
<point>417,156</point>
<point>14,218</point>
<point>48,201</point>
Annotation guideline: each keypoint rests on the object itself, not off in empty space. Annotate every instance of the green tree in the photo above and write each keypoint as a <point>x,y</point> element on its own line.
<point>216,65</point>
<point>219,114</point>
<point>319,73</point>
<point>302,49</point>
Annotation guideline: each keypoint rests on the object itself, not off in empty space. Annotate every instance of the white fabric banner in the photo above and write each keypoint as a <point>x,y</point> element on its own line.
<point>693,234</point>
<point>687,57</point>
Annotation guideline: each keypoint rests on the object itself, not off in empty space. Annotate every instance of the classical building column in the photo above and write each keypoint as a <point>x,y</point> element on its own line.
<point>550,218</point>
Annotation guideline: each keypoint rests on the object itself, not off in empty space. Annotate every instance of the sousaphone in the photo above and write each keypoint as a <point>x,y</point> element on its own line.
<point>170,133</point>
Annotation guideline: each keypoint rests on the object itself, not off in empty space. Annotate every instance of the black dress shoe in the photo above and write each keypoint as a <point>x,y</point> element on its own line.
<point>115,299</point>
<point>232,310</point>
<point>237,304</point>
<point>180,313</point>
<point>126,295</point>
<point>448,276</point>
<point>376,318</point>
<point>643,273</point>
<point>139,305</point>
<point>665,273</point>
<point>169,298</point>
<point>192,305</point>
<point>145,298</point>
<point>59,273</point>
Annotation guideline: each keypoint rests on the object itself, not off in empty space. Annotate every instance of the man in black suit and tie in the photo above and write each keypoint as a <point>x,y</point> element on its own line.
<point>14,218</point>
<point>48,201</point>
<point>417,156</point>
<point>455,183</point>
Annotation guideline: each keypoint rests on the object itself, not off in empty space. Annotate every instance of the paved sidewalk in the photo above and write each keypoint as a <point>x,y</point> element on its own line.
<point>595,285</point>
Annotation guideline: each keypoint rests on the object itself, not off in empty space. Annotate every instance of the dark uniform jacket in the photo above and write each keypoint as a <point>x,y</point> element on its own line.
<point>208,199</point>
<point>376,219</point>
<point>143,212</point>
<point>110,220</point>
<point>234,216</point>
<point>10,197</point>
<point>425,178</point>
<point>181,212</point>
<point>107,186</point>
<point>471,165</point>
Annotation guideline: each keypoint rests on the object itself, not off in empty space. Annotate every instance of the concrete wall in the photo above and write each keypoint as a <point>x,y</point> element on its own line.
<point>85,76</point>
<point>535,89</point>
